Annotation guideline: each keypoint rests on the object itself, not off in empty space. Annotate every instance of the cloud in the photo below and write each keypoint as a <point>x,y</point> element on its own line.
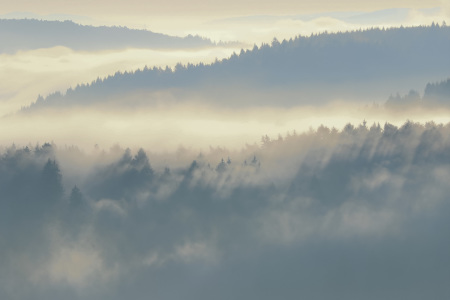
<point>75,267</point>
<point>111,206</point>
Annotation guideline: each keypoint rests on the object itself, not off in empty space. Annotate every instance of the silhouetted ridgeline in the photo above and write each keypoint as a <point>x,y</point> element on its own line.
<point>366,206</point>
<point>351,65</point>
<point>34,34</point>
<point>435,94</point>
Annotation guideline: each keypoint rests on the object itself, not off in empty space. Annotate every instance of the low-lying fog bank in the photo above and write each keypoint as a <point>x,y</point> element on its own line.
<point>166,127</point>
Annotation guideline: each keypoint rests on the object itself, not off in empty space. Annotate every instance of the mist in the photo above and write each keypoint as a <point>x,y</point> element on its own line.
<point>27,74</point>
<point>359,66</point>
<point>359,209</point>
<point>296,161</point>
<point>232,23</point>
<point>166,125</point>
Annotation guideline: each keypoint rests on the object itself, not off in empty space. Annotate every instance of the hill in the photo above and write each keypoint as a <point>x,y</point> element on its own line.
<point>27,34</point>
<point>435,94</point>
<point>357,65</point>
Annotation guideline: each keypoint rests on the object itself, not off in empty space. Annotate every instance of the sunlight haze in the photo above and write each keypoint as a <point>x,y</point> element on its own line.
<point>217,150</point>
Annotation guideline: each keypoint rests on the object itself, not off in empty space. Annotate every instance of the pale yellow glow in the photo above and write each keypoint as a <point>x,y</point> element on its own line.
<point>165,128</point>
<point>263,30</point>
<point>151,8</point>
<point>214,19</point>
<point>26,74</point>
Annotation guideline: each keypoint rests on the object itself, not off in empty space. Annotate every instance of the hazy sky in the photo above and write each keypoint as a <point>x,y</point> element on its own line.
<point>208,8</point>
<point>179,16</point>
<point>215,19</point>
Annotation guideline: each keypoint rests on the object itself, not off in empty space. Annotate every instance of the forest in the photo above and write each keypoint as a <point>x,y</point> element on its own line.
<point>435,95</point>
<point>360,66</point>
<point>345,197</point>
<point>164,166</point>
<point>27,34</point>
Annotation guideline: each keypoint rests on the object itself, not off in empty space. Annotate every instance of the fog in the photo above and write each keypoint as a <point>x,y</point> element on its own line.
<point>303,169</point>
<point>254,27</point>
<point>263,28</point>
<point>167,126</point>
<point>27,74</point>
<point>321,214</point>
<point>359,66</point>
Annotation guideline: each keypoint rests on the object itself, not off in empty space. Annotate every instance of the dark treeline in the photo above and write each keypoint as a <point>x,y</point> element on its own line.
<point>366,206</point>
<point>28,34</point>
<point>435,94</point>
<point>355,65</point>
<point>412,143</point>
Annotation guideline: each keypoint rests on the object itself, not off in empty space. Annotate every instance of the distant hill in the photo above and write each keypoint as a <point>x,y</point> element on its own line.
<point>29,34</point>
<point>304,70</point>
<point>439,92</point>
<point>435,94</point>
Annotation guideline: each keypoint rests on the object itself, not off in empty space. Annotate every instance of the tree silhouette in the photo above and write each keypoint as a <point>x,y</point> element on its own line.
<point>221,167</point>
<point>51,184</point>
<point>76,199</point>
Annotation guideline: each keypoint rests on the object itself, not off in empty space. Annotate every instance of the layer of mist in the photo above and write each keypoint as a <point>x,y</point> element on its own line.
<point>262,28</point>
<point>179,176</point>
<point>26,74</point>
<point>169,124</point>
<point>258,26</point>
<point>354,213</point>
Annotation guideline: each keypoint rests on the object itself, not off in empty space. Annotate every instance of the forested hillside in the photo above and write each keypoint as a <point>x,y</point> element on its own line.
<point>435,94</point>
<point>351,65</point>
<point>30,34</point>
<point>369,200</point>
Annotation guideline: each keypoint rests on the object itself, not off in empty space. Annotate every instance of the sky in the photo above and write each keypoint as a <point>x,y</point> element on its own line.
<point>197,8</point>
